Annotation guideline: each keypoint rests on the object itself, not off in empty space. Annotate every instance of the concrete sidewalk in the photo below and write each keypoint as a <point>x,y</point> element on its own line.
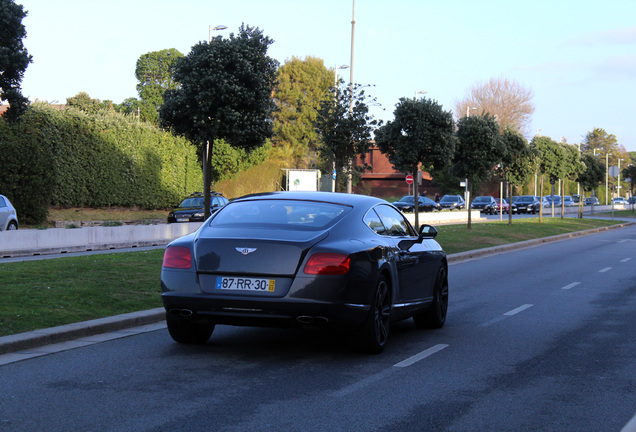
<point>38,338</point>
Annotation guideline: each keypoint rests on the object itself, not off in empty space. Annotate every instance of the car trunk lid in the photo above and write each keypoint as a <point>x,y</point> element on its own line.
<point>254,251</point>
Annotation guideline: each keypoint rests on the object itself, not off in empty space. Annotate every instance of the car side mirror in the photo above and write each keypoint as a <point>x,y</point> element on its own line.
<point>428,232</point>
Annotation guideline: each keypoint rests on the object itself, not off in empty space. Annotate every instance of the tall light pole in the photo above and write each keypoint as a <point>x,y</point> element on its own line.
<point>333,165</point>
<point>618,184</point>
<point>606,176</point>
<point>353,24</point>
<point>419,92</point>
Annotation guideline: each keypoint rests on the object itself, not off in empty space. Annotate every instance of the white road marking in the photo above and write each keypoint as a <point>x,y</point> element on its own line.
<point>359,385</point>
<point>417,357</point>
<point>572,285</point>
<point>517,310</point>
<point>631,426</point>
<point>625,260</point>
<point>606,269</point>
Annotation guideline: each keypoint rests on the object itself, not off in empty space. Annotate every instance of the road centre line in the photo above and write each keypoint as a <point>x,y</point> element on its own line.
<point>388,371</point>
<point>572,285</point>
<point>417,357</point>
<point>625,260</point>
<point>517,310</point>
<point>606,269</point>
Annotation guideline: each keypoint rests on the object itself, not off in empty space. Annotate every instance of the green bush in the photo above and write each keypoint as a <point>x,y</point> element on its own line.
<point>69,158</point>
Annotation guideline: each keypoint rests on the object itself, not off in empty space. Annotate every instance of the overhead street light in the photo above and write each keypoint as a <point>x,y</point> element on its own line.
<point>217,28</point>
<point>420,92</point>
<point>336,72</point>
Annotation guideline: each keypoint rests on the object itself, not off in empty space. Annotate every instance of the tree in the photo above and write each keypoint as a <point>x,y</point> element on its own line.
<point>572,166</point>
<point>479,150</point>
<point>14,58</point>
<point>550,155</point>
<point>344,128</point>
<point>302,86</point>
<point>422,134</point>
<point>630,173</point>
<point>154,73</point>
<point>592,174</point>
<point>83,102</point>
<point>507,100</point>
<point>225,93</point>
<point>518,162</point>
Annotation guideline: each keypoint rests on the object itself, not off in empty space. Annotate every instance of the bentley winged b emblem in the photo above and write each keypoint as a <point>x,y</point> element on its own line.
<point>245,250</point>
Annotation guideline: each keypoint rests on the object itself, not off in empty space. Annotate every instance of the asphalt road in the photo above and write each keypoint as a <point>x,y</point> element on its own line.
<point>540,339</point>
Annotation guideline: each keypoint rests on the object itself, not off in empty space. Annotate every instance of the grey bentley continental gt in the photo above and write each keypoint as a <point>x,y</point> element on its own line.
<point>305,259</point>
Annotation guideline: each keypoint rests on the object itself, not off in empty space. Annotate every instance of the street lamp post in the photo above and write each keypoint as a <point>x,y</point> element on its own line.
<point>606,176</point>
<point>618,183</point>
<point>419,92</point>
<point>333,166</point>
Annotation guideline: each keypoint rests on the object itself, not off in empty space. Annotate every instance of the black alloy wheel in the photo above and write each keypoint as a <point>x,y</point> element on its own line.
<point>435,316</point>
<point>375,330</point>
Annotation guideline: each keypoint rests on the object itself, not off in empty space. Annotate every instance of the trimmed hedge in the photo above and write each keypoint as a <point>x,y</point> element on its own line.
<point>68,158</point>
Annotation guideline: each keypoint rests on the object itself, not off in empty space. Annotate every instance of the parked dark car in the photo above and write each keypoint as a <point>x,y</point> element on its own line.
<point>549,199</point>
<point>305,259</point>
<point>577,198</point>
<point>8,215</point>
<point>527,204</point>
<point>407,204</point>
<point>588,201</point>
<point>191,208</point>
<point>483,203</point>
<point>452,202</point>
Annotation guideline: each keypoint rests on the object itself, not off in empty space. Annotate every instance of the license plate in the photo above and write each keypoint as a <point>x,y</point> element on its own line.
<point>183,220</point>
<point>245,284</point>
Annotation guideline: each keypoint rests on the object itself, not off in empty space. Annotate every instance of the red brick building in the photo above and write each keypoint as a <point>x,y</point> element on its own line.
<point>384,181</point>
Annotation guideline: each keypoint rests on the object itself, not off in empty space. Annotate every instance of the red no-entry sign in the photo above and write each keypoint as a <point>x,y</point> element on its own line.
<point>409,179</point>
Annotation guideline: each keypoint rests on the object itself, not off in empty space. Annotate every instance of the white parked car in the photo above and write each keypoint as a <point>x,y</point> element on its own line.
<point>8,215</point>
<point>620,200</point>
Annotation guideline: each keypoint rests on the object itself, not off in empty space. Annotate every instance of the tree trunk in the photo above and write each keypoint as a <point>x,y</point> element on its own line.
<point>207,165</point>
<point>416,202</point>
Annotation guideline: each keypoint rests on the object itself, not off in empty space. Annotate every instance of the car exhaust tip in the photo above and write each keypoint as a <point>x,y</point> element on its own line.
<point>309,320</point>
<point>183,313</point>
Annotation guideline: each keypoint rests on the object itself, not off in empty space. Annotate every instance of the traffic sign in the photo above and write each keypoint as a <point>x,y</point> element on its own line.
<point>409,179</point>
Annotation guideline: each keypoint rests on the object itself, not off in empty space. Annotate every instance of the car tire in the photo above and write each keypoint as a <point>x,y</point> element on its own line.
<point>12,226</point>
<point>435,316</point>
<point>188,332</point>
<point>375,330</point>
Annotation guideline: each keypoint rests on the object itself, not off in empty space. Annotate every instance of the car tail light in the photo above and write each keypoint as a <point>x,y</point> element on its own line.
<point>328,264</point>
<point>177,257</point>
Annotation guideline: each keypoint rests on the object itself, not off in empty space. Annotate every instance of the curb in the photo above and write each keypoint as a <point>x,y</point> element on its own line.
<point>38,338</point>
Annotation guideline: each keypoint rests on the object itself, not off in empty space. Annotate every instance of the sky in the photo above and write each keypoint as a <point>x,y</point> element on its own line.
<point>577,57</point>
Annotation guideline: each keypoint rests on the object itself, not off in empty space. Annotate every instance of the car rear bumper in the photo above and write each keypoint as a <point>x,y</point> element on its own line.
<point>275,312</point>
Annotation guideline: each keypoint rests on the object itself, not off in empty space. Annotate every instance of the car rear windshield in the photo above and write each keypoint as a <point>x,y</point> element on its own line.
<point>450,199</point>
<point>481,199</point>
<point>192,202</point>
<point>292,214</point>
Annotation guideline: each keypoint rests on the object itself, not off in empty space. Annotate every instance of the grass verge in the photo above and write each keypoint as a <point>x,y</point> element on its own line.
<point>52,292</point>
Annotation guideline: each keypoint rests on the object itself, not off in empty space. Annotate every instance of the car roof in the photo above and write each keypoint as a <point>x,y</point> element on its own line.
<point>329,197</point>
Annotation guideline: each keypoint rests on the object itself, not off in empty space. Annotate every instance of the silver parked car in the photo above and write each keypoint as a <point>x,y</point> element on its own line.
<point>8,215</point>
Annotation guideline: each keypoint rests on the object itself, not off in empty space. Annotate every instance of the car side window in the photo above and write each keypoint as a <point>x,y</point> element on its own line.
<point>373,221</point>
<point>394,222</point>
<point>2,203</point>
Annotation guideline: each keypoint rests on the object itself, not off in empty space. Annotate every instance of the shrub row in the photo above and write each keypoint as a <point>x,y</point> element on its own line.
<point>68,158</point>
